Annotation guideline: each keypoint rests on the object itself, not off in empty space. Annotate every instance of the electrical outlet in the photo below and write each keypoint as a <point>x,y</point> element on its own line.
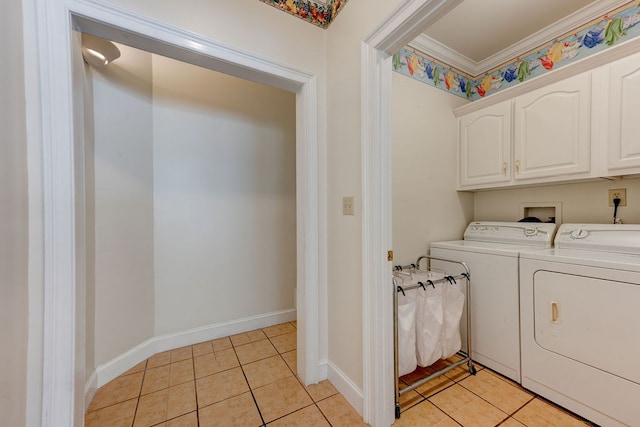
<point>620,193</point>
<point>347,206</point>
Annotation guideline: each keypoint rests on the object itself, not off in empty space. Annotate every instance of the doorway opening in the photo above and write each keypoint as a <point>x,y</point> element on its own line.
<point>190,207</point>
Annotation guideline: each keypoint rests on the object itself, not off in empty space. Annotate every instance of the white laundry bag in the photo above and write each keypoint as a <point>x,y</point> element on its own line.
<point>406,331</point>
<point>429,322</point>
<point>453,302</point>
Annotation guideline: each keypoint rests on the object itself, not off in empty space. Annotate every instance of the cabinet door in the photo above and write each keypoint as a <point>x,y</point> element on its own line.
<point>485,147</point>
<point>553,130</point>
<point>624,122</point>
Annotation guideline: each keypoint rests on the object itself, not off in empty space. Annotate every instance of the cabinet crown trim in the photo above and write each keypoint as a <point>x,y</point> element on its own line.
<point>587,64</point>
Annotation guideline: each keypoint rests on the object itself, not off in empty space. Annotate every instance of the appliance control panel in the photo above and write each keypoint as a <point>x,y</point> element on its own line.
<point>528,233</point>
<point>622,238</point>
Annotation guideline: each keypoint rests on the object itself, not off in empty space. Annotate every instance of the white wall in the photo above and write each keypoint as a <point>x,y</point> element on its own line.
<point>13,220</point>
<point>426,206</point>
<point>224,196</point>
<point>581,203</point>
<point>123,122</point>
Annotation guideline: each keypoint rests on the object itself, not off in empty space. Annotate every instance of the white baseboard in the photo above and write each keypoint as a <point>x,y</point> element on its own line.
<point>323,370</point>
<point>344,385</point>
<point>122,363</point>
<point>90,387</point>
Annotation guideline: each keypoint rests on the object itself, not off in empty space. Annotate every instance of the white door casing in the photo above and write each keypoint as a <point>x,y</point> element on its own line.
<point>402,26</point>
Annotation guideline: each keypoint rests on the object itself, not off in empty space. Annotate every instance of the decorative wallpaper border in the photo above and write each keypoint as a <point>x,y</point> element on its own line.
<point>596,36</point>
<point>315,13</point>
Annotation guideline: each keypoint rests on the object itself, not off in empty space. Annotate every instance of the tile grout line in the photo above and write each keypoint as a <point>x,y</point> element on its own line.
<point>144,374</point>
<point>195,385</point>
<point>255,402</point>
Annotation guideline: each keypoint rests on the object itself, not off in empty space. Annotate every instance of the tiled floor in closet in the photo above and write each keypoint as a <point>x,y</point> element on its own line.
<point>243,380</point>
<point>248,380</point>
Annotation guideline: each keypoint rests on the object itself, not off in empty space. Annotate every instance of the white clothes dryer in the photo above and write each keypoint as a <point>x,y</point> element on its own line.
<point>580,319</point>
<point>491,251</point>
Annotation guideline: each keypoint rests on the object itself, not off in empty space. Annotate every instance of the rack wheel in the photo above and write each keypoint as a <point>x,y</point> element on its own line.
<point>397,411</point>
<point>472,370</point>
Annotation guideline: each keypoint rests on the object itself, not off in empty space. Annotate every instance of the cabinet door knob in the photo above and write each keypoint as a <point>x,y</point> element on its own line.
<point>504,168</point>
<point>517,166</point>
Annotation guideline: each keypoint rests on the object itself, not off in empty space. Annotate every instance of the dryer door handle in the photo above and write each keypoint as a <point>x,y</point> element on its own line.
<point>555,312</point>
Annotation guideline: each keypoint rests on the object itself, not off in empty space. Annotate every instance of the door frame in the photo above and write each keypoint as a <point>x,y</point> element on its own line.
<point>399,28</point>
<point>56,332</point>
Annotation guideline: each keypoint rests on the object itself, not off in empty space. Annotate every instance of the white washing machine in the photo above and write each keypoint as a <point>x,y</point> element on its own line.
<point>580,319</point>
<point>491,251</point>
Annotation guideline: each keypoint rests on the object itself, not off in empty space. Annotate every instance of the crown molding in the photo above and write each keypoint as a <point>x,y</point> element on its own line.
<point>444,53</point>
<point>431,47</point>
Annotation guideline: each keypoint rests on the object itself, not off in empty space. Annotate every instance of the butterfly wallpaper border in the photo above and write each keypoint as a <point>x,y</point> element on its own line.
<point>597,35</point>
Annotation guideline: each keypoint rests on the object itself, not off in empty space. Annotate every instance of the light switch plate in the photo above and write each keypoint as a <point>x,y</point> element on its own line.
<point>347,206</point>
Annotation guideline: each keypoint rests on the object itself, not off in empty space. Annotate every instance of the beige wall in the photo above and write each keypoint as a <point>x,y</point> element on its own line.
<point>344,178</point>
<point>224,197</point>
<point>123,208</point>
<point>90,229</point>
<point>426,205</point>
<point>192,201</point>
<point>13,220</point>
<point>581,202</point>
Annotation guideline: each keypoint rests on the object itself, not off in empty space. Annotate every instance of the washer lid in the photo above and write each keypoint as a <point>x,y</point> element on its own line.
<point>539,234</point>
<point>619,238</point>
<point>491,248</point>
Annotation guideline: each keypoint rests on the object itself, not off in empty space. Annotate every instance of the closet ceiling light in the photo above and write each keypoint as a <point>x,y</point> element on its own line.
<point>98,52</point>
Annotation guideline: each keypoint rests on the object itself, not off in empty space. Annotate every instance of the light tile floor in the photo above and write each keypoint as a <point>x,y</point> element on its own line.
<point>249,380</point>
<point>243,380</point>
<point>486,399</point>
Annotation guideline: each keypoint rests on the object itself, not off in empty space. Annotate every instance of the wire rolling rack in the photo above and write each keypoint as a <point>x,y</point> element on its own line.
<point>466,357</point>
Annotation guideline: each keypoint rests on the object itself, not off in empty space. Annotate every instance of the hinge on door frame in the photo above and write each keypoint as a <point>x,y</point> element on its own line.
<point>389,255</point>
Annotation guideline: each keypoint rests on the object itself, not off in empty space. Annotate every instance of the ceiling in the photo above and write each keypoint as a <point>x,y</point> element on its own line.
<point>479,35</point>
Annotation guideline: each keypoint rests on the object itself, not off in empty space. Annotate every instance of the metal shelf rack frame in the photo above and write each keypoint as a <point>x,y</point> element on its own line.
<point>466,358</point>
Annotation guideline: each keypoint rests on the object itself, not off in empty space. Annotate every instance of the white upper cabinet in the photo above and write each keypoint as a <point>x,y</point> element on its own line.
<point>623,118</point>
<point>552,130</point>
<point>584,127</point>
<point>485,147</point>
